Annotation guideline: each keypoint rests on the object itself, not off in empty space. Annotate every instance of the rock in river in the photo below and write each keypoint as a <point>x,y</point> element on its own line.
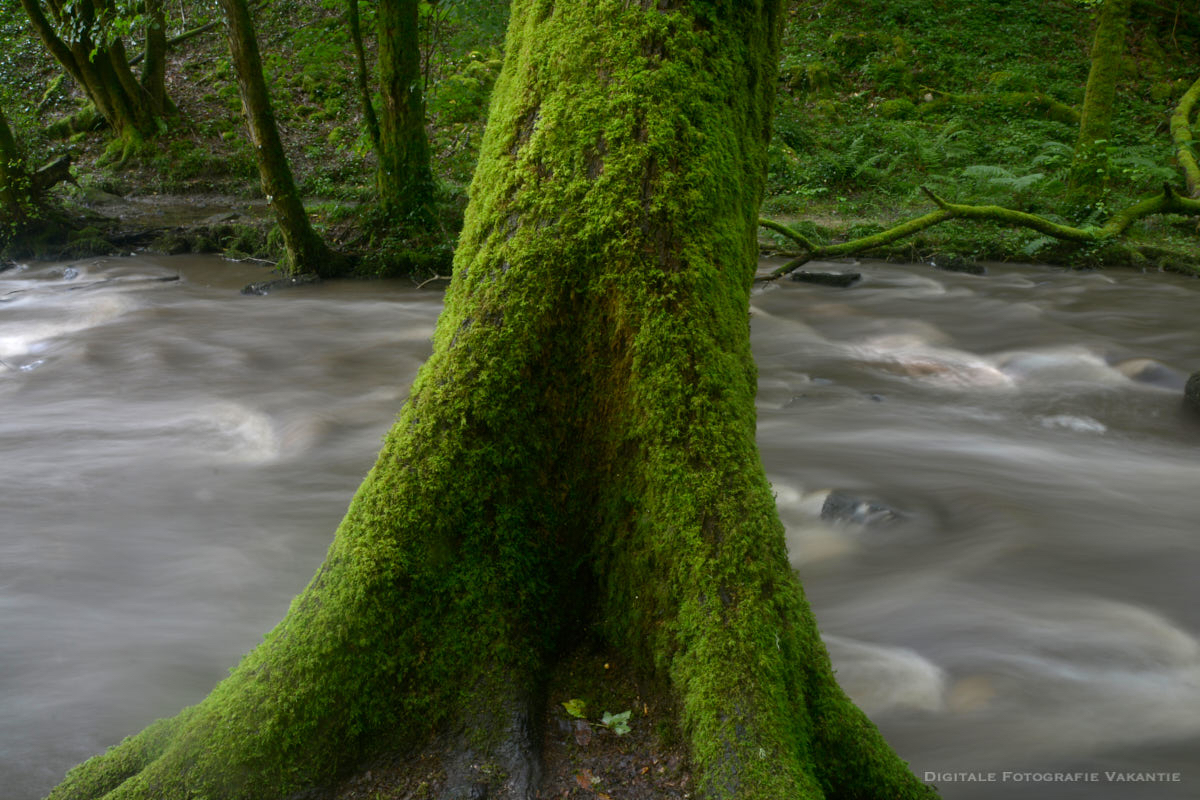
<point>1191,394</point>
<point>843,506</point>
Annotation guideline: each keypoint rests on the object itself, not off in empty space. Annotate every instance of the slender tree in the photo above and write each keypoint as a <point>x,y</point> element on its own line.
<point>79,34</point>
<point>306,250</point>
<point>580,446</point>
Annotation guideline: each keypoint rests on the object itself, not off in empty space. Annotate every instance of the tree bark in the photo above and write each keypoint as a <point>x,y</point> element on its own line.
<point>1095,118</point>
<point>405,178</point>
<point>579,447</point>
<point>306,251</point>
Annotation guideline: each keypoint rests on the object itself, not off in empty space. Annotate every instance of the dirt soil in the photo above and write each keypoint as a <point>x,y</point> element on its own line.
<point>581,758</point>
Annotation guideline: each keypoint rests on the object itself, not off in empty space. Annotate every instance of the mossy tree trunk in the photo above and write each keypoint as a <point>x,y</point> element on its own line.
<point>78,35</point>
<point>405,178</point>
<point>1095,118</point>
<point>580,446</point>
<point>306,250</point>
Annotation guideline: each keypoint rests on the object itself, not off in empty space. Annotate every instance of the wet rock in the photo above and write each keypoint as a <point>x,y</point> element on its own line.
<point>1191,394</point>
<point>1152,373</point>
<point>956,263</point>
<point>266,287</point>
<point>837,279</point>
<point>843,506</point>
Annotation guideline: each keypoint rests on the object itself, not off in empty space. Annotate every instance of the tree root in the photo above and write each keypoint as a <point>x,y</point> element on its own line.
<point>497,752</point>
<point>1167,201</point>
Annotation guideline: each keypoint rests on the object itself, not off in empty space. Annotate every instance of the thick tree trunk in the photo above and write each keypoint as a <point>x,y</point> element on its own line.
<point>1095,119</point>
<point>100,67</point>
<point>405,178</point>
<point>306,251</point>
<point>580,446</point>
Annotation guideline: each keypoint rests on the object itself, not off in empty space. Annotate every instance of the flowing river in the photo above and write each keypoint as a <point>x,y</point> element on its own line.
<point>1009,591</point>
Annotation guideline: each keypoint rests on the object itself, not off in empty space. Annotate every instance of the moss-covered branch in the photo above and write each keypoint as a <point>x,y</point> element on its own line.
<point>1166,201</point>
<point>1181,135</point>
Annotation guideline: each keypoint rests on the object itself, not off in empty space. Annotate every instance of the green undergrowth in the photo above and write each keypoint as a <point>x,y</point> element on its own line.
<point>879,98</point>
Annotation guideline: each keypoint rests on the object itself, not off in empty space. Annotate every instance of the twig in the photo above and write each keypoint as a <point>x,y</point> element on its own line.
<point>434,278</point>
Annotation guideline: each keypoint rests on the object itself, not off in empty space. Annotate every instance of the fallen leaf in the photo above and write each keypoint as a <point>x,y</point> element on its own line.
<point>584,779</point>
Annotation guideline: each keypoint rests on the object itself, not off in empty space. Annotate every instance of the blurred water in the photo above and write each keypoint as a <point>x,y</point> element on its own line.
<point>1034,609</point>
<point>176,457</point>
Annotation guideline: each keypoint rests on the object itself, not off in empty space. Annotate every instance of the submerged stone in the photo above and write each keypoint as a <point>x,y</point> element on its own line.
<point>843,506</point>
<point>266,287</point>
<point>956,263</point>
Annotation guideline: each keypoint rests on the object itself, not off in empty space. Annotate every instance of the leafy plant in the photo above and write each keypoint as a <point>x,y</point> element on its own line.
<point>617,723</point>
<point>576,708</point>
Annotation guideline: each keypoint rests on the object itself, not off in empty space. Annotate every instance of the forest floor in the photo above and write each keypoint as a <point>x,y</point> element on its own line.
<point>582,758</point>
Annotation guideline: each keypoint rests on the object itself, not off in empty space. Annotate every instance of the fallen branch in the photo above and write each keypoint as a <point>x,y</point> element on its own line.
<point>1048,106</point>
<point>421,285</point>
<point>1167,201</point>
<point>1181,135</point>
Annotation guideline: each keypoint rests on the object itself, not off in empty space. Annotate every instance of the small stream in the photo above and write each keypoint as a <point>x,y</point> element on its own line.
<point>1018,614</point>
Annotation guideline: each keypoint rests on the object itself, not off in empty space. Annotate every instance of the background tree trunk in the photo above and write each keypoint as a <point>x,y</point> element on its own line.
<point>579,451</point>
<point>306,251</point>
<point>405,178</point>
<point>360,73</point>
<point>154,62</point>
<point>100,66</point>
<point>1095,120</point>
